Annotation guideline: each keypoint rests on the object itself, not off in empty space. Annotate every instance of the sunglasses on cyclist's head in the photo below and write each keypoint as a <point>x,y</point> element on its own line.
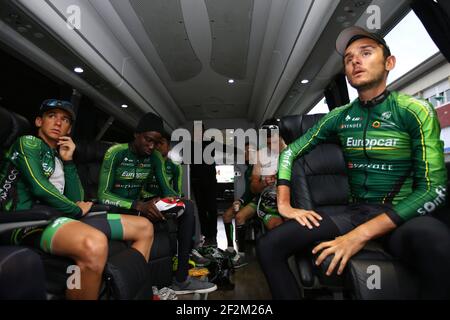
<point>270,127</point>
<point>50,104</point>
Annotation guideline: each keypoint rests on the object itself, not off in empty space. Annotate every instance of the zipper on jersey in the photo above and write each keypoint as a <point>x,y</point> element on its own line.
<point>138,163</point>
<point>365,151</point>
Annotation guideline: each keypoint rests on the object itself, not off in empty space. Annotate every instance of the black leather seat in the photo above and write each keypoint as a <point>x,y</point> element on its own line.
<point>21,274</point>
<point>319,181</point>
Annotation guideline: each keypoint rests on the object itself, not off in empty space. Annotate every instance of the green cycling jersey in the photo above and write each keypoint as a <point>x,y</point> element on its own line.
<point>393,153</point>
<point>30,162</point>
<point>124,175</point>
<point>174,174</point>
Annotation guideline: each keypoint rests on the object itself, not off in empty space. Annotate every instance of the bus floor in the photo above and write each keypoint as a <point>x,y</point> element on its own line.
<point>249,281</point>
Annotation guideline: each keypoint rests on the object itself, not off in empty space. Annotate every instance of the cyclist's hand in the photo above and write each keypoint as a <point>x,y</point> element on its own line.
<point>306,218</point>
<point>269,180</point>
<point>343,248</point>
<point>236,206</point>
<point>149,209</point>
<point>66,148</point>
<point>85,206</point>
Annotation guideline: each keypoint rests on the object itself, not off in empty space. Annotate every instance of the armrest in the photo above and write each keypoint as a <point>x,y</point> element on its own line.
<point>27,218</point>
<point>305,269</point>
<point>100,208</point>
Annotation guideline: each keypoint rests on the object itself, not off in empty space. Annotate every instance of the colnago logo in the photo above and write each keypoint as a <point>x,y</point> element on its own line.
<point>7,185</point>
<point>430,206</point>
<point>371,143</point>
<point>375,166</point>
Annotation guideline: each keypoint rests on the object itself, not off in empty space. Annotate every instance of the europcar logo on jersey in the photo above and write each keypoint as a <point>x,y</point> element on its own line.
<point>376,124</point>
<point>371,143</point>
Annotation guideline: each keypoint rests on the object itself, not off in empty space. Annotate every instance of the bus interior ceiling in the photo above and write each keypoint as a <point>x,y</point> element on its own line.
<point>176,58</point>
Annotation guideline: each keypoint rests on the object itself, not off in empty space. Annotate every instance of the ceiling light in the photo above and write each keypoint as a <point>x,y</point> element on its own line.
<point>230,81</point>
<point>78,70</point>
<point>305,81</point>
<point>124,106</point>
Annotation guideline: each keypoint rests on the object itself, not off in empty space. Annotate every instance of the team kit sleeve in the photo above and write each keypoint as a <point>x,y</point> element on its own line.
<point>429,172</point>
<point>106,180</point>
<point>177,178</point>
<point>27,161</point>
<point>158,164</point>
<point>73,189</point>
<point>325,128</point>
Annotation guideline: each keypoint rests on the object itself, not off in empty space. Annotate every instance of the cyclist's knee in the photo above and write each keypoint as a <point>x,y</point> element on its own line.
<point>146,228</point>
<point>228,216</point>
<point>94,251</point>
<point>273,223</point>
<point>240,219</point>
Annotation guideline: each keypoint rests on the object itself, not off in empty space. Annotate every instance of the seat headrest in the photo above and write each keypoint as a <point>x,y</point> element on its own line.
<point>309,120</point>
<point>293,127</point>
<point>290,128</point>
<point>5,124</point>
<point>12,126</point>
<point>91,151</point>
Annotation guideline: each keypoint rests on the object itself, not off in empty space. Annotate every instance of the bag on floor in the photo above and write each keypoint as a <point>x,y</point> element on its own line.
<point>220,268</point>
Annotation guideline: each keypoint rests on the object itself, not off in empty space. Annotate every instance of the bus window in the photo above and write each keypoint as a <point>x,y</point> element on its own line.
<point>320,107</point>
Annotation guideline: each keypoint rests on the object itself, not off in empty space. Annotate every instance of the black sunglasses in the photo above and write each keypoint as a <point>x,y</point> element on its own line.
<point>270,127</point>
<point>56,103</point>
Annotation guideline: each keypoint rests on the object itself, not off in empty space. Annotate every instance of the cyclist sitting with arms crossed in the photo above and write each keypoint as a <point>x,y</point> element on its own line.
<point>125,172</point>
<point>47,176</point>
<point>396,174</point>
